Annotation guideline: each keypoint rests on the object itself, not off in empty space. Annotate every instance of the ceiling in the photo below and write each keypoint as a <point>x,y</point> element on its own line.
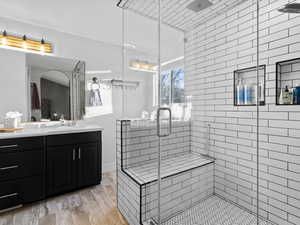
<point>99,20</point>
<point>175,13</point>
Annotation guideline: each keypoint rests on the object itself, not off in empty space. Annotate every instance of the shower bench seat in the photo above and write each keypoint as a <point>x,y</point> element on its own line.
<point>186,179</point>
<point>170,166</point>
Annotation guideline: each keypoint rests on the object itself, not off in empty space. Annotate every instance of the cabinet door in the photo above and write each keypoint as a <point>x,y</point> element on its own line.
<point>61,162</point>
<point>88,164</point>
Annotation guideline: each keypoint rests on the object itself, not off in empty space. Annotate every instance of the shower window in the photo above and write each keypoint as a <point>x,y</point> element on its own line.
<point>172,86</point>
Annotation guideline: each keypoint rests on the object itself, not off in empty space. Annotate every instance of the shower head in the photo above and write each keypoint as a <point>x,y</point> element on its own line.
<point>290,8</point>
<point>198,5</point>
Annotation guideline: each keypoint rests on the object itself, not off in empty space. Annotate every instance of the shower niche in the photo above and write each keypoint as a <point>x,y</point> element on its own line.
<point>288,82</point>
<point>245,86</point>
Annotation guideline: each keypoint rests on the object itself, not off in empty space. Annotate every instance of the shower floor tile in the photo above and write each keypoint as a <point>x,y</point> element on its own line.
<point>214,211</point>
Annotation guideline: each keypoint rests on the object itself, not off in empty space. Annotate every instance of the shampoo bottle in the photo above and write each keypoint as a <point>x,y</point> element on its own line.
<point>240,94</point>
<point>297,94</point>
<point>248,94</point>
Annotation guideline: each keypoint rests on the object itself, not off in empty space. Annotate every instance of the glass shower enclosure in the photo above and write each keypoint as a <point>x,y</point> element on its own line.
<point>213,138</point>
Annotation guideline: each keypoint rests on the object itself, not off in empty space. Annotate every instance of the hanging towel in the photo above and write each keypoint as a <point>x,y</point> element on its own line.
<point>35,100</point>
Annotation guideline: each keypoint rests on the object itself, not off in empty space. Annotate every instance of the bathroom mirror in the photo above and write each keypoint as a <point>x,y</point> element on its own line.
<point>49,95</point>
<point>55,86</point>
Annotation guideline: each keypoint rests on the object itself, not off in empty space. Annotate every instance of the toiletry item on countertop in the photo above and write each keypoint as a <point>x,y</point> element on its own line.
<point>297,94</point>
<point>145,115</point>
<point>12,119</point>
<point>240,93</point>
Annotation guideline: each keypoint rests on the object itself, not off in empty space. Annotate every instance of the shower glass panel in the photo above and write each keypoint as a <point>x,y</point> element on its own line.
<point>141,141</point>
<point>279,185</point>
<point>198,63</point>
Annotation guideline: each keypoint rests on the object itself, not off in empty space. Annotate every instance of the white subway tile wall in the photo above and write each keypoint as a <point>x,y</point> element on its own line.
<point>140,141</point>
<point>212,52</point>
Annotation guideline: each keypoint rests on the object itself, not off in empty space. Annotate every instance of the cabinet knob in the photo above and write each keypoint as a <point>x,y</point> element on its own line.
<point>73,154</point>
<point>79,153</point>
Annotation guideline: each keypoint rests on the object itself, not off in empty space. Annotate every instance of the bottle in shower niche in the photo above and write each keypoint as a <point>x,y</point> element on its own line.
<point>248,95</point>
<point>285,96</point>
<point>297,94</point>
<point>261,94</point>
<point>240,93</point>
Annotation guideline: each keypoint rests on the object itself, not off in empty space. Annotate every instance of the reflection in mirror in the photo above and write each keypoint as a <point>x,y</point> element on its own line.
<point>55,88</point>
<point>98,95</point>
<point>53,103</point>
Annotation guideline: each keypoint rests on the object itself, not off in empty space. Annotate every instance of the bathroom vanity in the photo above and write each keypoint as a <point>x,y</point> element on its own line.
<point>51,154</point>
<point>39,163</point>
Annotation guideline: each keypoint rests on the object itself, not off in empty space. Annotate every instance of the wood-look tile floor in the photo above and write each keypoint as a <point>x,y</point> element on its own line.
<point>90,206</point>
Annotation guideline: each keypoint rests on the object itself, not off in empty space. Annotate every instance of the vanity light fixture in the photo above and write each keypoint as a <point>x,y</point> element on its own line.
<point>23,43</point>
<point>143,66</point>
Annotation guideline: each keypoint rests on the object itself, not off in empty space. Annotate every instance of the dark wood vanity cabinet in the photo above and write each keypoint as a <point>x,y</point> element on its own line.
<point>32,169</point>
<point>60,169</point>
<point>22,171</point>
<point>73,161</point>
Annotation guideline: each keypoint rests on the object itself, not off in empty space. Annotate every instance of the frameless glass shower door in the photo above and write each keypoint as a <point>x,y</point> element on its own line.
<point>145,122</point>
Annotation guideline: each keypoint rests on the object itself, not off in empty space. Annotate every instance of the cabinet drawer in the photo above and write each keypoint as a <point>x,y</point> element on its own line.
<point>23,191</point>
<point>75,138</point>
<point>19,144</point>
<point>15,165</point>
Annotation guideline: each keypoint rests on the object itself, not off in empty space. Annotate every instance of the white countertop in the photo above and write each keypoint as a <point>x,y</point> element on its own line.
<point>32,132</point>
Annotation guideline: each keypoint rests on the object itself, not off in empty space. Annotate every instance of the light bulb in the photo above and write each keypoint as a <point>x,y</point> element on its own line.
<point>24,44</point>
<point>42,48</point>
<point>4,38</point>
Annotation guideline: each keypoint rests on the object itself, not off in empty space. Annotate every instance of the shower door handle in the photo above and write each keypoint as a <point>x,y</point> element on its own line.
<point>158,121</point>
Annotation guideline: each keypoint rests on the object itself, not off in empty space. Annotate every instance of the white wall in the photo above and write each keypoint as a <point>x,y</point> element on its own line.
<point>13,94</point>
